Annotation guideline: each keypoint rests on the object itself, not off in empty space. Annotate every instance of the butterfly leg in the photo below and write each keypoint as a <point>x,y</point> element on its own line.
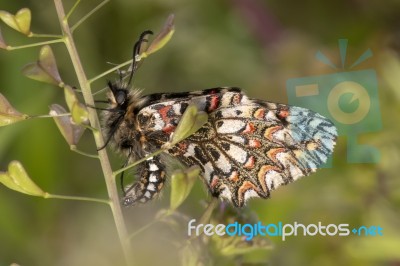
<point>152,178</point>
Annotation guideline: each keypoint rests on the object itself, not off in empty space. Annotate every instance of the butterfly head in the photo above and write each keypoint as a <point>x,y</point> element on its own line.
<point>118,97</point>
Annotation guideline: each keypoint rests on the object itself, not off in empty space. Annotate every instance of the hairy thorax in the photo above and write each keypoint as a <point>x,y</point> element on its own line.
<point>122,130</point>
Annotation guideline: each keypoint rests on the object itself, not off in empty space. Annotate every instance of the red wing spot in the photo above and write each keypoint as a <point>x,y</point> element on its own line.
<point>164,112</point>
<point>259,113</point>
<point>249,128</point>
<point>253,143</point>
<point>183,145</point>
<point>214,182</point>
<point>272,153</point>
<point>214,101</point>
<point>261,175</point>
<point>250,163</point>
<point>168,128</point>
<point>271,130</point>
<point>283,114</point>
<point>234,176</point>
<point>246,186</point>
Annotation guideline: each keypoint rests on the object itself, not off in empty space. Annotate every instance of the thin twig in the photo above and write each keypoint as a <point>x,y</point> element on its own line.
<point>50,116</point>
<point>39,35</point>
<point>10,48</point>
<point>72,10</point>
<point>115,173</point>
<point>73,28</point>
<point>111,70</point>
<point>63,197</point>
<point>75,149</point>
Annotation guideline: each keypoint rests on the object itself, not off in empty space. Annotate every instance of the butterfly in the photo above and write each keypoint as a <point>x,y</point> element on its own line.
<point>246,149</point>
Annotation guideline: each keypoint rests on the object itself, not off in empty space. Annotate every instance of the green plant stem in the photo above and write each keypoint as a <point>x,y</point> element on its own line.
<point>76,25</point>
<point>94,121</point>
<point>100,91</point>
<point>10,48</point>
<point>75,149</point>
<point>115,173</point>
<point>50,116</point>
<point>94,130</point>
<point>53,196</point>
<point>39,35</point>
<point>110,71</point>
<point>72,9</point>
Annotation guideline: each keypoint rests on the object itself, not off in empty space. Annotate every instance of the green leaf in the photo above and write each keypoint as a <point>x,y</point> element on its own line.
<point>70,96</point>
<point>191,121</point>
<point>45,69</point>
<point>3,44</point>
<point>48,62</point>
<point>21,21</point>
<point>8,114</point>
<point>80,114</point>
<point>162,37</point>
<point>17,179</point>
<point>181,184</point>
<point>70,131</point>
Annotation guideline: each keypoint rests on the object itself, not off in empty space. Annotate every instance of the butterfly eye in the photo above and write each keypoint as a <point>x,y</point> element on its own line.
<point>120,97</point>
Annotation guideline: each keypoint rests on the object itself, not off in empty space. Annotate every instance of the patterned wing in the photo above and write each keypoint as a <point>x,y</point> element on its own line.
<point>159,119</point>
<point>248,147</point>
<point>267,146</point>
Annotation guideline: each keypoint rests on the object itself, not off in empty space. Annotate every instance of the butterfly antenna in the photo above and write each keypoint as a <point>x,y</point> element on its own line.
<point>136,52</point>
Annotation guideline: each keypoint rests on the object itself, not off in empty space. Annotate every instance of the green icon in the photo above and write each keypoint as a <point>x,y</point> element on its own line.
<point>348,98</point>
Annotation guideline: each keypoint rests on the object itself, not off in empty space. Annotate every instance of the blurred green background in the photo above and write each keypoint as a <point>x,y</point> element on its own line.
<point>256,45</point>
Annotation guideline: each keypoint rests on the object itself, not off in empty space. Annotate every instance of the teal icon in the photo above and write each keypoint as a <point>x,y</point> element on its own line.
<point>348,98</point>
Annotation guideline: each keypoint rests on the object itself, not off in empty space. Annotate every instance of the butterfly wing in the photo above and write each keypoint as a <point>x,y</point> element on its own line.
<point>159,118</point>
<point>267,145</point>
<point>248,147</point>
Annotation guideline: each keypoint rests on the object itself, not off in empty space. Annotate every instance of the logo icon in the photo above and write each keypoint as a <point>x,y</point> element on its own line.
<point>349,98</point>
